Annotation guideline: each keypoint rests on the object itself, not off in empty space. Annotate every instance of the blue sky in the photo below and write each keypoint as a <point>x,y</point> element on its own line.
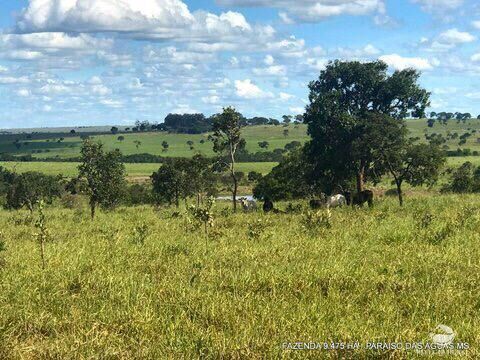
<point>93,62</point>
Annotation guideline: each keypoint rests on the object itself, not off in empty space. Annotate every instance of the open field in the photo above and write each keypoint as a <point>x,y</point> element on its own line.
<point>152,143</point>
<point>385,274</point>
<point>70,169</point>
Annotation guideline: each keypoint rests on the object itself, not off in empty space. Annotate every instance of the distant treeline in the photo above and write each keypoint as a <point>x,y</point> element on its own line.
<point>243,156</point>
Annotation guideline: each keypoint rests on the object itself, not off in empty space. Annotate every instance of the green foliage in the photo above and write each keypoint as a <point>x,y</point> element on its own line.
<point>315,221</point>
<point>227,139</point>
<point>465,179</point>
<point>344,100</point>
<point>104,174</point>
<point>179,179</point>
<point>257,229</point>
<point>27,189</point>
<point>286,181</point>
<point>140,233</point>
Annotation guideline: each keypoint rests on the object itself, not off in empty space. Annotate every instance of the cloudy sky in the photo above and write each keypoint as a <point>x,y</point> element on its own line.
<point>90,62</point>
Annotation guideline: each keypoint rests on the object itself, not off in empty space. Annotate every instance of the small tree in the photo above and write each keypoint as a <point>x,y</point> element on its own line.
<point>43,233</point>
<point>104,173</point>
<point>287,119</point>
<point>285,133</point>
<point>114,130</point>
<point>165,146</point>
<point>137,143</point>
<point>121,138</point>
<point>416,165</point>
<point>264,144</point>
<point>169,183</point>
<point>227,139</point>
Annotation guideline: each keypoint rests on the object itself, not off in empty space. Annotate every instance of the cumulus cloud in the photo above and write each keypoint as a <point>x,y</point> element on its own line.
<point>145,20</point>
<point>447,40</point>
<point>248,90</point>
<point>454,36</point>
<point>103,15</point>
<point>398,62</point>
<point>314,10</point>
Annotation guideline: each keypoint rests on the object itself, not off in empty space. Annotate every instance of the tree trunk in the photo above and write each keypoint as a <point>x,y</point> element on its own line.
<point>399,192</point>
<point>361,179</point>
<point>235,190</point>
<point>235,181</point>
<point>92,209</point>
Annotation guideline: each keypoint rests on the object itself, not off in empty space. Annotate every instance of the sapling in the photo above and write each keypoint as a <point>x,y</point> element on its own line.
<point>43,234</point>
<point>204,216</point>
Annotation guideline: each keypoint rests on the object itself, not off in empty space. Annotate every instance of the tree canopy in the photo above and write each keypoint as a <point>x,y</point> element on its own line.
<point>344,101</point>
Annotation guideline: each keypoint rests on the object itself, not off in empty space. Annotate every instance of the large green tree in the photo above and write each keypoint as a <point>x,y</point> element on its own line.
<point>342,100</point>
<point>227,139</point>
<point>104,174</point>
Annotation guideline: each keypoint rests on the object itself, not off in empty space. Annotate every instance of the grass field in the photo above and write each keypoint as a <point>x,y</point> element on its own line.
<point>387,274</point>
<point>70,169</point>
<point>152,143</point>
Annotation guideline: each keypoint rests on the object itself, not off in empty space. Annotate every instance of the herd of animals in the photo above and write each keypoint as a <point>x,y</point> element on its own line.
<point>324,201</point>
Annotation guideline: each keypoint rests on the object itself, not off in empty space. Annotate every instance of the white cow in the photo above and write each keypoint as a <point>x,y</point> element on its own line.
<point>248,205</point>
<point>336,201</point>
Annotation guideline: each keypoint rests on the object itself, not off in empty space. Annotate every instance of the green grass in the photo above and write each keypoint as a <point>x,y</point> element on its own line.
<point>69,169</point>
<point>152,143</point>
<point>381,275</point>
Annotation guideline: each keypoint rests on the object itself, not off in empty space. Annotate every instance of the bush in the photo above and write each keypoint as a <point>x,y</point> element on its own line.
<point>138,194</point>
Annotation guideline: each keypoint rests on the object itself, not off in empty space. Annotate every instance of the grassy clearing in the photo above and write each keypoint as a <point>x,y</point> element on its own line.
<point>70,169</point>
<point>386,274</point>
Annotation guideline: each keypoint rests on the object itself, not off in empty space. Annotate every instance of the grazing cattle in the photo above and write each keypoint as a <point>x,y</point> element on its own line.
<point>328,202</point>
<point>336,201</point>
<point>248,205</point>
<point>267,205</point>
<point>348,197</point>
<point>366,196</point>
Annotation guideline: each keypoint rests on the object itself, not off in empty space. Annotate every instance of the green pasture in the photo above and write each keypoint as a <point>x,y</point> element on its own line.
<point>152,143</point>
<point>69,169</point>
<point>139,283</point>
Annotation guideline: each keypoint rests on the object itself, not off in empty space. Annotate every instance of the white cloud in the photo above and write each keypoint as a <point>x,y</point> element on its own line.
<point>285,96</point>
<point>248,90</point>
<point>275,70</point>
<point>14,80</point>
<point>297,110</point>
<point>213,99</point>
<point>314,10</point>
<point>23,92</point>
<point>101,90</point>
<point>446,40</point>
<point>454,36</point>
<point>269,60</point>
<point>47,108</point>
<point>111,103</point>
<point>103,15</point>
<point>476,24</point>
<point>438,6</point>
<point>398,62</point>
